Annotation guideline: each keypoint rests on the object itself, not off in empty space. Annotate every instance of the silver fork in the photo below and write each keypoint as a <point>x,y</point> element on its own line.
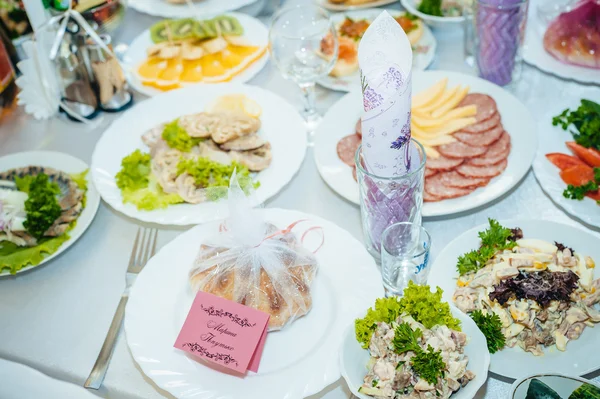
<point>143,249</point>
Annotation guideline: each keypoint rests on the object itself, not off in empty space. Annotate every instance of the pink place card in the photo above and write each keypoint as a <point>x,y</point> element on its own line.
<point>224,332</point>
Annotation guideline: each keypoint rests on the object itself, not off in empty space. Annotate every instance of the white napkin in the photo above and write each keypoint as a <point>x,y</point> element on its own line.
<point>385,60</point>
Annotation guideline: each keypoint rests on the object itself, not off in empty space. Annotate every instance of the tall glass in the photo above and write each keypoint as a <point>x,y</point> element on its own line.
<point>388,200</point>
<point>499,31</point>
<point>295,41</point>
<point>404,256</point>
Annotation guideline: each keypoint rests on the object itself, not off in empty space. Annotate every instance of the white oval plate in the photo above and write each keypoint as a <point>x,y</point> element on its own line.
<point>432,20</point>
<point>535,54</point>
<point>353,358</point>
<point>298,361</point>
<point>65,163</point>
<point>421,59</point>
<point>341,119</point>
<point>548,175</point>
<point>201,9</point>
<point>282,126</point>
<point>514,362</point>
<point>562,384</point>
<point>343,7</point>
<point>255,31</point>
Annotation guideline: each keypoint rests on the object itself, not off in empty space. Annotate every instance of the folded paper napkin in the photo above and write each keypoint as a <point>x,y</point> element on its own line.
<point>385,60</point>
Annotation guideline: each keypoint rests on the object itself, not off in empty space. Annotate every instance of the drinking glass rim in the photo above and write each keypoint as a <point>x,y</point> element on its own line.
<point>502,7</point>
<point>422,230</point>
<point>394,178</point>
<point>286,9</point>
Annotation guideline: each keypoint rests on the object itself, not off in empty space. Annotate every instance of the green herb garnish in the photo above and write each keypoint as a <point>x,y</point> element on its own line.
<point>491,327</point>
<point>494,239</point>
<point>429,364</point>
<point>579,192</point>
<point>178,138</point>
<point>405,339</point>
<point>410,16</point>
<point>431,7</point>
<point>41,205</point>
<point>586,120</point>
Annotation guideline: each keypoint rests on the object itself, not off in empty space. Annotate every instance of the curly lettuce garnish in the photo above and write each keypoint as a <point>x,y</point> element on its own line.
<point>14,258</point>
<point>135,169</point>
<point>178,138</point>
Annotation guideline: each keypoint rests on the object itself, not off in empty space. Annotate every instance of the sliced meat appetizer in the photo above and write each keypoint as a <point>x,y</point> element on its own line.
<point>490,171</point>
<point>488,124</point>
<point>435,187</point>
<point>456,180</point>
<point>443,163</point>
<point>346,148</point>
<point>461,150</point>
<point>486,105</point>
<point>482,139</point>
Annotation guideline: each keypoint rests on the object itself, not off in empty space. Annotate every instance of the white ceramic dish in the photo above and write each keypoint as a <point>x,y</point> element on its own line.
<point>341,119</point>
<point>20,381</point>
<point>255,31</point>
<point>65,163</point>
<point>204,8</point>
<point>432,20</point>
<point>282,126</point>
<point>514,362</point>
<point>548,175</point>
<point>423,52</point>
<point>343,7</point>
<point>353,359</point>
<point>562,384</point>
<point>535,54</point>
<point>347,279</point>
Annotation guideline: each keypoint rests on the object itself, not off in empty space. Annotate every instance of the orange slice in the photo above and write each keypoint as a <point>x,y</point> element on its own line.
<point>192,72</point>
<point>214,71</point>
<point>149,70</point>
<point>171,73</point>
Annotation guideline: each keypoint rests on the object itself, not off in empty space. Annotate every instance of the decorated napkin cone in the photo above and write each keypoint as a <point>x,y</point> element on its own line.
<point>390,166</point>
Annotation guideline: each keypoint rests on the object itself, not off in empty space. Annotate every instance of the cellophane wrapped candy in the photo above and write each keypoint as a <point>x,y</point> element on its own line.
<point>574,36</point>
<point>255,263</point>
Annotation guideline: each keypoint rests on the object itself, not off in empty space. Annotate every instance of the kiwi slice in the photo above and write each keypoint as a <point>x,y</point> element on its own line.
<point>160,31</point>
<point>226,25</point>
<point>182,28</point>
<point>204,30</point>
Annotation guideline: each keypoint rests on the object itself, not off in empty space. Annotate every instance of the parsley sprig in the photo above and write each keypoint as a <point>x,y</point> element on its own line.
<point>427,364</point>
<point>491,327</point>
<point>586,120</point>
<point>494,239</point>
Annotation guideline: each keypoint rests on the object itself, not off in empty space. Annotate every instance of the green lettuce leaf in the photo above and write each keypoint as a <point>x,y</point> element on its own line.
<point>151,197</point>
<point>14,258</point>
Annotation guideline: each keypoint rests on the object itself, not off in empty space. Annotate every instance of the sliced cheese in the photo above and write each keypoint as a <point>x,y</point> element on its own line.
<point>430,95</point>
<point>451,103</point>
<point>448,128</point>
<point>443,99</point>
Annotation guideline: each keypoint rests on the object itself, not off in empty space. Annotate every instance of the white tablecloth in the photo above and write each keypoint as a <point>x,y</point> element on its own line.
<point>55,317</point>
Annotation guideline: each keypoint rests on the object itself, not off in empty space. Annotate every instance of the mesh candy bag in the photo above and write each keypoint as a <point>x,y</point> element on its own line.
<point>257,264</point>
<point>574,36</point>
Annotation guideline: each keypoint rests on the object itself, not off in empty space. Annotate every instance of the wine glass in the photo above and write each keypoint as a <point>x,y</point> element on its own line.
<point>303,44</point>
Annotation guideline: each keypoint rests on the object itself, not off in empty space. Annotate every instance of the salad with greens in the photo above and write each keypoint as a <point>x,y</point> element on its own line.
<point>39,206</point>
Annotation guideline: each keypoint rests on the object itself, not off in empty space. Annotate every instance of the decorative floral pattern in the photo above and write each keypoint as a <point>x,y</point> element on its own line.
<point>211,311</point>
<point>393,77</point>
<point>219,357</point>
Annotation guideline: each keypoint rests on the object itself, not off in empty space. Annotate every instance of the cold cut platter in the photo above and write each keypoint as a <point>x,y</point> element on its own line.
<point>471,131</point>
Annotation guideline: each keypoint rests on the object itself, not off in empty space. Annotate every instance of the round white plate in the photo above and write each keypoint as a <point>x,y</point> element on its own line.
<point>514,362</point>
<point>548,175</point>
<point>353,358</point>
<point>26,383</point>
<point>535,54</point>
<point>255,31</point>
<point>298,361</point>
<point>432,20</point>
<point>281,125</point>
<point>422,57</point>
<point>341,119</point>
<point>65,163</point>
<point>563,385</point>
<point>343,7</point>
<point>201,9</point>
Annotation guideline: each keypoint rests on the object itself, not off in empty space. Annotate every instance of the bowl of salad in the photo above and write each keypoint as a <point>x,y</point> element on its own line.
<point>438,13</point>
<point>412,345</point>
<point>554,386</point>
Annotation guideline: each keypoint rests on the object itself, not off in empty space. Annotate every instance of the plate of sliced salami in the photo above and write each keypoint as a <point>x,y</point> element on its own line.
<point>480,141</point>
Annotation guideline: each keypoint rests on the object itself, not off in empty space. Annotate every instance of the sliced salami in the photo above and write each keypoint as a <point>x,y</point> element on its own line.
<point>482,126</point>
<point>482,171</point>
<point>430,172</point>
<point>461,150</point>
<point>354,173</point>
<point>500,146</point>
<point>482,139</point>
<point>429,198</point>
<point>346,148</point>
<point>359,128</point>
<point>443,163</point>
<point>487,160</point>
<point>455,179</point>
<point>435,187</point>
<point>486,106</point>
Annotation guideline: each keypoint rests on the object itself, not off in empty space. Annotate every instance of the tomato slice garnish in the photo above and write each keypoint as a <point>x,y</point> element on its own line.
<point>577,175</point>
<point>564,161</point>
<point>589,156</point>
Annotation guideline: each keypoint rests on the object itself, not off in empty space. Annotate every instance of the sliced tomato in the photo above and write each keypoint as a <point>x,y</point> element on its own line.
<point>564,161</point>
<point>577,175</point>
<point>591,157</point>
<point>595,195</point>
